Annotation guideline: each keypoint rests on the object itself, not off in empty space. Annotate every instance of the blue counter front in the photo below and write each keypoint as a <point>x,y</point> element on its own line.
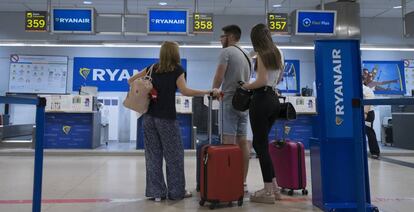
<point>72,130</point>
<point>185,121</point>
<point>301,129</point>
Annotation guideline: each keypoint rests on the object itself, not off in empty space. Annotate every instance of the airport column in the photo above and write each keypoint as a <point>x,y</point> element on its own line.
<point>340,180</point>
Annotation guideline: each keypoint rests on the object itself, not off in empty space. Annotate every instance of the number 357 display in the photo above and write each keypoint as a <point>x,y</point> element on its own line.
<point>36,21</point>
<point>278,23</point>
<point>203,23</point>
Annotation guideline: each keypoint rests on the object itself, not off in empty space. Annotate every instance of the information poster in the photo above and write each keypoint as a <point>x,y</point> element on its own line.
<point>38,74</point>
<point>409,76</point>
<point>385,77</point>
<point>290,82</point>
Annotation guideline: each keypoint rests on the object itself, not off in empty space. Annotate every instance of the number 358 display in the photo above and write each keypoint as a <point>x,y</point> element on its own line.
<point>203,23</point>
<point>36,21</point>
<point>277,22</point>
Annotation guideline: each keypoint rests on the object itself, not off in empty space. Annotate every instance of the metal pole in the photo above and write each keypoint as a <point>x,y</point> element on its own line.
<point>38,163</point>
<point>403,11</point>
<point>49,9</point>
<point>123,17</point>
<point>195,6</point>
<point>266,9</point>
<point>322,4</point>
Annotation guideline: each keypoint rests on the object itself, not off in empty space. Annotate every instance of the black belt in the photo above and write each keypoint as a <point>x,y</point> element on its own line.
<point>265,89</point>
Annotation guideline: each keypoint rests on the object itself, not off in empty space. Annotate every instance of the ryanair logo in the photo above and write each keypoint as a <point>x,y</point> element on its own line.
<point>66,129</point>
<point>338,85</point>
<point>167,21</point>
<point>338,121</point>
<point>73,20</point>
<point>107,74</point>
<point>84,72</point>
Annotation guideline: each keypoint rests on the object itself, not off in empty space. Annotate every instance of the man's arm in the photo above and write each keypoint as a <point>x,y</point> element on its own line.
<point>219,76</point>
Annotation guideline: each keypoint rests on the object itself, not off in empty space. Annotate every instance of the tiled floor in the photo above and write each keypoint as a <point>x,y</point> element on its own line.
<point>117,183</point>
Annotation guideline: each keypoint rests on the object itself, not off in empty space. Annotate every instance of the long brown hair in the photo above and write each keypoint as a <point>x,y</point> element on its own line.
<point>169,57</point>
<point>264,46</point>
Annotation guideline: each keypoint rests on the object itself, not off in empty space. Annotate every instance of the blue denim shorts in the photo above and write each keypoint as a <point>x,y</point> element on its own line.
<point>234,121</point>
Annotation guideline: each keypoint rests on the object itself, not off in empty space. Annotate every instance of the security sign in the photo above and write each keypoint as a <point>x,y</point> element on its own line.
<point>36,21</point>
<point>278,23</point>
<point>203,23</point>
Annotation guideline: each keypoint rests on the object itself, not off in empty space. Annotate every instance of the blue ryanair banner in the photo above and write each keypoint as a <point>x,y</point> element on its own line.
<point>109,74</point>
<point>73,20</point>
<point>167,21</point>
<point>336,88</point>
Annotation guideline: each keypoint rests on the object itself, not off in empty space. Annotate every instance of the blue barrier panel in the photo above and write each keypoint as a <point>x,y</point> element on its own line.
<point>38,164</point>
<point>340,180</point>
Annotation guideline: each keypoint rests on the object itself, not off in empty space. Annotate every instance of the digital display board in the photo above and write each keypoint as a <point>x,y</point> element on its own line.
<point>315,22</point>
<point>73,20</point>
<point>203,23</point>
<point>36,21</point>
<point>278,23</point>
<point>167,21</point>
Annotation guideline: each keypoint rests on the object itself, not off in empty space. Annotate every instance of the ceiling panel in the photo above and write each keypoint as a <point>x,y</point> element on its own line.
<point>369,8</point>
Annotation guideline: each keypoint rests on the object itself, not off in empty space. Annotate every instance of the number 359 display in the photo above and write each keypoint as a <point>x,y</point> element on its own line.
<point>36,21</point>
<point>203,23</point>
<point>278,22</point>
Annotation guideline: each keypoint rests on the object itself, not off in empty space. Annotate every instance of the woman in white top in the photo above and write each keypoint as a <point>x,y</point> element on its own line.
<point>264,107</point>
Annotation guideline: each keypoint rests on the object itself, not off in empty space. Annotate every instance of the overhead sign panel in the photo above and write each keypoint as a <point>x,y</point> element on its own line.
<point>315,22</point>
<point>278,23</point>
<point>36,21</point>
<point>73,20</point>
<point>203,23</point>
<point>167,21</point>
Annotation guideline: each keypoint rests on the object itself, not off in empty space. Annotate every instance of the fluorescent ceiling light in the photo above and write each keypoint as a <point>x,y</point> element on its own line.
<point>87,2</point>
<point>163,3</point>
<point>397,7</point>
<point>277,5</point>
<point>184,46</point>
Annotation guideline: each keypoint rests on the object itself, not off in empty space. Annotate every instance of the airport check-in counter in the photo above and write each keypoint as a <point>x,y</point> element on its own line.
<point>402,126</point>
<point>72,122</point>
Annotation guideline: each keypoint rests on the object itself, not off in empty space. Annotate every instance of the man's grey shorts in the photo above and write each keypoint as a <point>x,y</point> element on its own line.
<point>234,121</point>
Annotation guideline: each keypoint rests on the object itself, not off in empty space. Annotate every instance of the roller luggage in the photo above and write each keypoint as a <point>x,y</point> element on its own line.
<point>221,175</point>
<point>219,169</point>
<point>201,143</point>
<point>288,159</point>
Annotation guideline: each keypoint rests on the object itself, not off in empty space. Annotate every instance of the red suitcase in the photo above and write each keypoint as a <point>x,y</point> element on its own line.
<point>221,175</point>
<point>288,159</point>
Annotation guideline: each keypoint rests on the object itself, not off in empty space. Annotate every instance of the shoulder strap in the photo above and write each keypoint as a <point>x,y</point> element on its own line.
<point>248,60</point>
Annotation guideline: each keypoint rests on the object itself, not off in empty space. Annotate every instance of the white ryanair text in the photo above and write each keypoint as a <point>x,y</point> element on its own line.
<point>338,82</point>
<point>113,75</point>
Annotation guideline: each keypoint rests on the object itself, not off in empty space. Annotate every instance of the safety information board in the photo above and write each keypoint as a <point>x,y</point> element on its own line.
<point>38,74</point>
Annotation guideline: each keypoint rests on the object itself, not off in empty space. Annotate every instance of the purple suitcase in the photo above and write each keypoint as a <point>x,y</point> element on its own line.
<point>289,165</point>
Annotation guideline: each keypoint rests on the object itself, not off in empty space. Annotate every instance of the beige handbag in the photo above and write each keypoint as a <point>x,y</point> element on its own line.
<point>138,96</point>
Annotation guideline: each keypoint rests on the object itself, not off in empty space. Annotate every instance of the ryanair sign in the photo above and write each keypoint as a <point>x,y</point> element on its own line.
<point>338,69</point>
<point>108,74</point>
<point>73,20</point>
<point>162,21</point>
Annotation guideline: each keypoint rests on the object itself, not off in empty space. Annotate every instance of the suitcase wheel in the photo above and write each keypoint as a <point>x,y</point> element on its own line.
<point>202,202</point>
<point>240,202</point>
<point>304,192</point>
<point>213,205</point>
<point>230,204</point>
<point>290,192</point>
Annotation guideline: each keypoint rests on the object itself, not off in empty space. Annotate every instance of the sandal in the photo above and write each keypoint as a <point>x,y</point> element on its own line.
<point>262,196</point>
<point>187,194</point>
